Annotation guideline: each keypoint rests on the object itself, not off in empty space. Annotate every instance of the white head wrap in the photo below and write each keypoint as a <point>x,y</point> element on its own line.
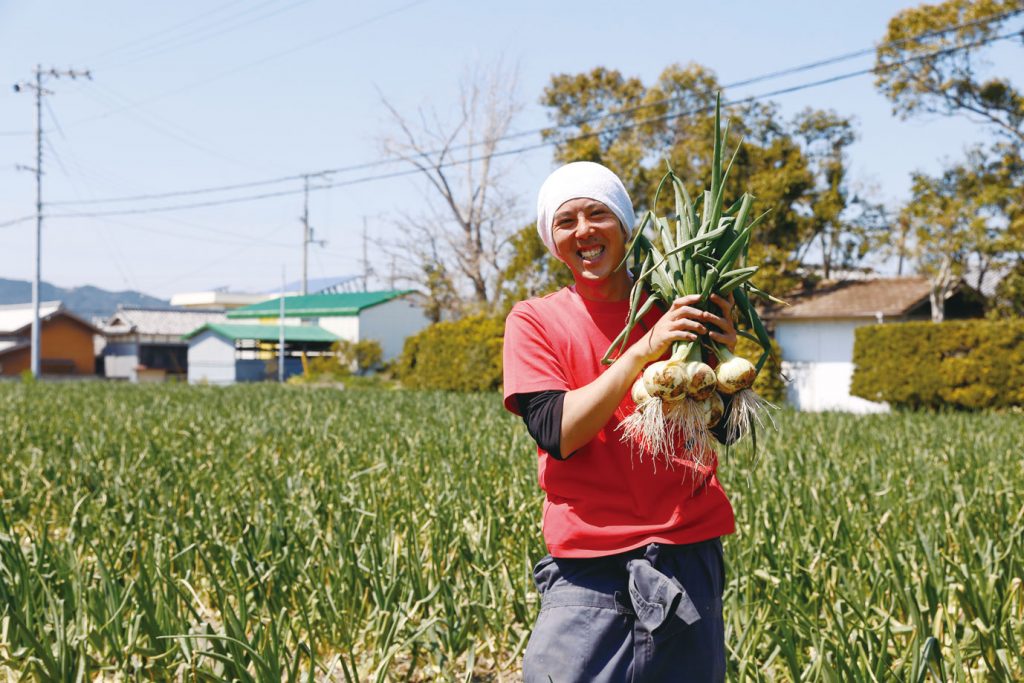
<point>582,179</point>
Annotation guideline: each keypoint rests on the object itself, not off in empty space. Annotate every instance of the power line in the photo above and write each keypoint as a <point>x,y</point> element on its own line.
<point>828,61</point>
<point>149,37</point>
<point>15,221</point>
<point>163,126</point>
<point>535,131</point>
<point>205,33</point>
<point>517,150</point>
<point>37,88</point>
<point>120,263</point>
<point>295,48</point>
<point>242,239</point>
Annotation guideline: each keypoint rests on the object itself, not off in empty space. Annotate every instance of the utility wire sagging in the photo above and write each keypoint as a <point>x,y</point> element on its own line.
<point>518,150</point>
<point>520,134</point>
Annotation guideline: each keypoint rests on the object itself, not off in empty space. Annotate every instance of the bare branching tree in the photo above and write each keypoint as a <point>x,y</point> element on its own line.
<point>459,242</point>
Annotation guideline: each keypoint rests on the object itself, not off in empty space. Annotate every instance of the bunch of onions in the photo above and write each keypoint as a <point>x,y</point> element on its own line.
<point>680,400</point>
<point>674,401</point>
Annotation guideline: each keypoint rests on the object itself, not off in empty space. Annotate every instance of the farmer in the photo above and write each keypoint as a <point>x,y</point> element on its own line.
<point>632,588</point>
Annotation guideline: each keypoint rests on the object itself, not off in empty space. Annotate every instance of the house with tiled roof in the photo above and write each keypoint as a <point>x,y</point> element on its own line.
<point>65,340</point>
<point>816,333</point>
<point>145,343</point>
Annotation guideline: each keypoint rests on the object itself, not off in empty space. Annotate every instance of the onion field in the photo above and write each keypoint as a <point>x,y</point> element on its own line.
<point>261,533</point>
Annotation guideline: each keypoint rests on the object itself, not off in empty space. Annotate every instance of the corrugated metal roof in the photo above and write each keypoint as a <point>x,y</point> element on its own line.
<point>16,316</point>
<point>162,321</point>
<point>319,285</point>
<point>292,333</point>
<point>317,305</point>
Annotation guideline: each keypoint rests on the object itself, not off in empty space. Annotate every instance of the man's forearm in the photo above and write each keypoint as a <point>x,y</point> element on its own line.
<point>587,409</point>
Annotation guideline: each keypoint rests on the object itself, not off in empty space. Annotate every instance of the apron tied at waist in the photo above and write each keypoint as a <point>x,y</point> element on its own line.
<point>654,595</point>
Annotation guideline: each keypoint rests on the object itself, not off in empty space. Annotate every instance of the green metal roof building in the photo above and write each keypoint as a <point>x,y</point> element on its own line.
<point>387,317</point>
<point>266,333</point>
<point>318,305</point>
<point>225,353</point>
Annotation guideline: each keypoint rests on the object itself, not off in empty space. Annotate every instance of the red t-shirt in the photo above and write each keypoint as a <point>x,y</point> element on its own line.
<point>603,500</point>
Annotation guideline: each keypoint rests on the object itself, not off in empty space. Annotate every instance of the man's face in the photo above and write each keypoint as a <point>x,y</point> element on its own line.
<point>589,238</point>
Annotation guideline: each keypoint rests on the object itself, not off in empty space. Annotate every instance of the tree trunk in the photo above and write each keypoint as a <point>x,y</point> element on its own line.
<point>942,284</point>
<point>938,304</point>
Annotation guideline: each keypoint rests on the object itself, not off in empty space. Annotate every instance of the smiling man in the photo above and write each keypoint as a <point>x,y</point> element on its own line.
<point>632,587</point>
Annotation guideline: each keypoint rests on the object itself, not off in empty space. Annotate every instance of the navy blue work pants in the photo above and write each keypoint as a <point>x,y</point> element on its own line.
<point>649,615</point>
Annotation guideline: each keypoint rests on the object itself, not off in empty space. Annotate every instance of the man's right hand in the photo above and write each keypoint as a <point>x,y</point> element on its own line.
<point>681,322</point>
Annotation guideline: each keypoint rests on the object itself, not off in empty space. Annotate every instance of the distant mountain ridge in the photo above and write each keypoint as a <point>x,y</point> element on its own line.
<point>86,302</point>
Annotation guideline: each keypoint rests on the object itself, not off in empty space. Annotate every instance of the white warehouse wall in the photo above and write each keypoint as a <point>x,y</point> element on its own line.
<point>817,358</point>
<point>211,359</point>
<point>120,360</point>
<point>345,326</point>
<point>390,323</point>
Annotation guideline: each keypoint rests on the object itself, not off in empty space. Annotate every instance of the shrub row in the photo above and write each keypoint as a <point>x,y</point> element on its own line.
<point>966,363</point>
<point>465,355</point>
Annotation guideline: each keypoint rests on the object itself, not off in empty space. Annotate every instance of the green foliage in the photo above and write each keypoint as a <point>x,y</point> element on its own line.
<point>969,217</point>
<point>267,533</point>
<point>462,355</point>
<point>790,167</point>
<point>1009,296</point>
<point>260,533</point>
<point>971,364</point>
<point>846,226</point>
<point>441,297</point>
<point>972,212</point>
<point>363,356</point>
<point>920,73</point>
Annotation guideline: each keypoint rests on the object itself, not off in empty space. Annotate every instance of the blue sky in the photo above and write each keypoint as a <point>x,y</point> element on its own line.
<point>192,94</point>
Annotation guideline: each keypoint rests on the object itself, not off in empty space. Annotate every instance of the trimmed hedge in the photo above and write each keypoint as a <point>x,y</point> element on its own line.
<point>969,364</point>
<point>463,355</point>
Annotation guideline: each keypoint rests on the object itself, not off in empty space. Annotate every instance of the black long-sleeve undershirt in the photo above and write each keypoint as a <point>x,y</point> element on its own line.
<point>542,413</point>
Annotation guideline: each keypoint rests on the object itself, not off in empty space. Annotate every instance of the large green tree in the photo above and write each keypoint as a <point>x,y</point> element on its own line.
<point>960,224</point>
<point>932,61</point>
<point>846,225</point>
<point>939,215</point>
<point>634,129</point>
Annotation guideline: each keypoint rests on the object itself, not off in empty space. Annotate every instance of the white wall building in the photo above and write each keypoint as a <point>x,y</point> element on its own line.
<point>226,353</point>
<point>816,334</point>
<point>217,299</point>
<point>387,317</point>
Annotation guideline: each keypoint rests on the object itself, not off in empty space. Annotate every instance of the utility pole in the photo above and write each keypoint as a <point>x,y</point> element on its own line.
<point>307,232</point>
<point>280,332</point>
<point>366,260</point>
<point>39,90</point>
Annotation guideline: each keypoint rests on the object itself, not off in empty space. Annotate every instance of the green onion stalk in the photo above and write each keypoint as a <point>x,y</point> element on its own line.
<point>702,250</point>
